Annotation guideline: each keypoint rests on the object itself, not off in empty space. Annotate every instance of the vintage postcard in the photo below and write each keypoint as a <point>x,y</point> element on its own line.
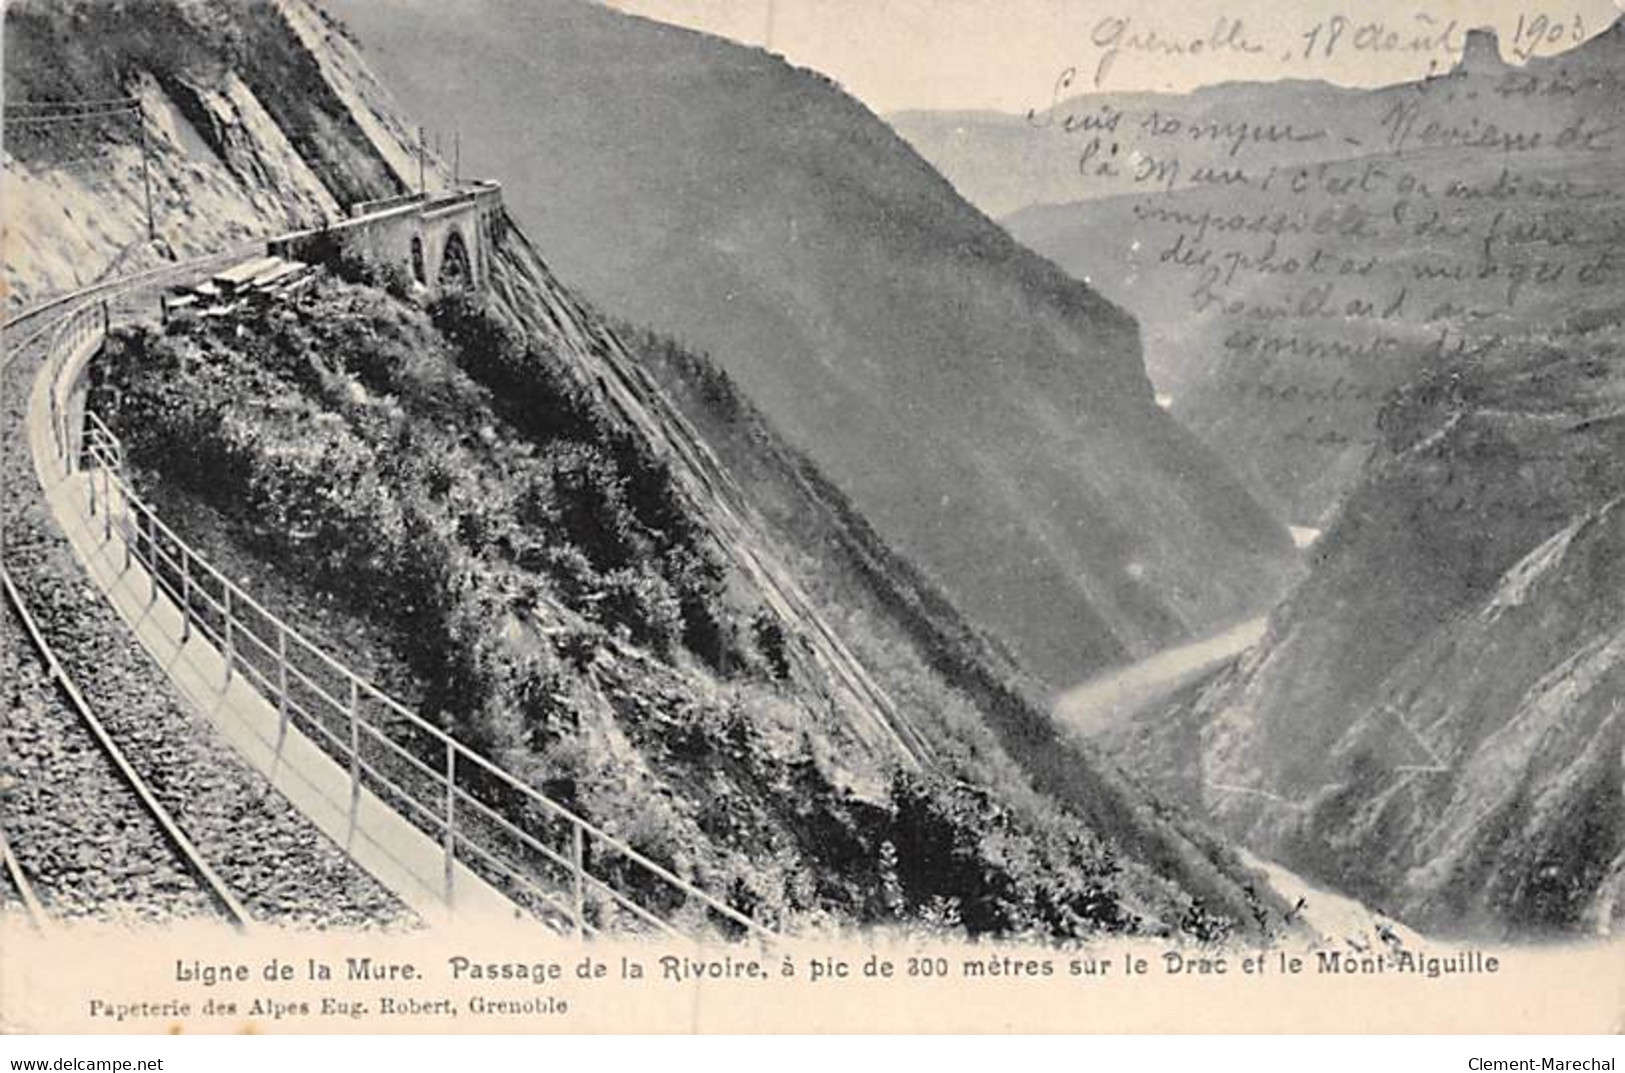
<point>813,516</point>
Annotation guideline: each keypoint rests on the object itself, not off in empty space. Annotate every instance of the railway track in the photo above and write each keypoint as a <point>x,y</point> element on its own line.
<point>16,892</point>
<point>120,802</point>
<point>24,326</point>
<point>93,838</point>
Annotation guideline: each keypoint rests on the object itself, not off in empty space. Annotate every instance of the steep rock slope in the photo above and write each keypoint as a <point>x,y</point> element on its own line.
<point>245,135</point>
<point>1434,721</point>
<point>656,665</point>
<point>1006,746</point>
<point>989,416</point>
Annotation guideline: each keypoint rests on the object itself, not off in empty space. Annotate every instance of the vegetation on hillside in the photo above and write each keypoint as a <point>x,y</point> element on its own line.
<point>961,681</point>
<point>437,474</point>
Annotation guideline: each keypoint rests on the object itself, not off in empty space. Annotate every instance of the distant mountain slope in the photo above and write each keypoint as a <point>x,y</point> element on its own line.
<point>1282,305</point>
<point>1436,719</point>
<point>1291,401</point>
<point>1004,163</point>
<point>1433,720</point>
<point>989,416</point>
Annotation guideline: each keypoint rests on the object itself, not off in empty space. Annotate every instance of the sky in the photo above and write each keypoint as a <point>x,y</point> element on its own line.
<point>1009,54</point>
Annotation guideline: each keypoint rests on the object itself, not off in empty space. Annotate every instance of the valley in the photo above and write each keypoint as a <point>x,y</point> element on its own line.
<point>1403,335</point>
<point>746,484</point>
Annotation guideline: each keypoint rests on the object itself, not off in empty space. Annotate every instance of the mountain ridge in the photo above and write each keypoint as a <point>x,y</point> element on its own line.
<point>758,214</point>
<point>1431,720</point>
<point>1441,696</point>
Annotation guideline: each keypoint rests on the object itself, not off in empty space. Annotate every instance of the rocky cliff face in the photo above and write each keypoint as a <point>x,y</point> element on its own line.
<point>1481,54</point>
<point>991,417</point>
<point>245,135</point>
<point>1434,721</point>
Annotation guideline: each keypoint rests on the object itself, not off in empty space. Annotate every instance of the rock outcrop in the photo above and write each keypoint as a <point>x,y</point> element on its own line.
<point>1481,53</point>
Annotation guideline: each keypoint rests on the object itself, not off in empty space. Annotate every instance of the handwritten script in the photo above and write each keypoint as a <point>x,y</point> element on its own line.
<point>1295,251</point>
<point>1439,38</point>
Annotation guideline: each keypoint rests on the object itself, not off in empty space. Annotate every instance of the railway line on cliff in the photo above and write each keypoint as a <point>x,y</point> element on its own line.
<point>116,808</point>
<point>316,835</point>
<point>86,836</point>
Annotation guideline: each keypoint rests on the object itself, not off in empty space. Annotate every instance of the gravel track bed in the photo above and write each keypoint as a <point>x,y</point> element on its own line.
<point>277,863</point>
<point>11,899</point>
<point>82,838</point>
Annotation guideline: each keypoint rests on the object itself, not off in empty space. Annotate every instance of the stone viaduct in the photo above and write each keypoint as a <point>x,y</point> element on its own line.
<point>438,239</point>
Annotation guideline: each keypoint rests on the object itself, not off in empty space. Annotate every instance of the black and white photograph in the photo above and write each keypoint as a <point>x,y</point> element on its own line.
<point>898,515</point>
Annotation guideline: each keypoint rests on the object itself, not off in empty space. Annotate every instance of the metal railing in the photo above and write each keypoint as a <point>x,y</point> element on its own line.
<point>559,865</point>
<point>69,354</point>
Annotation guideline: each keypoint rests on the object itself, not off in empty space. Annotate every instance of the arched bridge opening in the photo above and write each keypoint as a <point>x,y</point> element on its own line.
<point>455,270</point>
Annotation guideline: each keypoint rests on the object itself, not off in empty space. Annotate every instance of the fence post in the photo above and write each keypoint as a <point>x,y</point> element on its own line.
<point>450,834</point>
<point>281,685</point>
<point>154,559</point>
<point>225,603</point>
<point>129,525</point>
<point>186,593</point>
<point>578,877</point>
<point>131,534</point>
<point>355,743</point>
<point>107,504</point>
